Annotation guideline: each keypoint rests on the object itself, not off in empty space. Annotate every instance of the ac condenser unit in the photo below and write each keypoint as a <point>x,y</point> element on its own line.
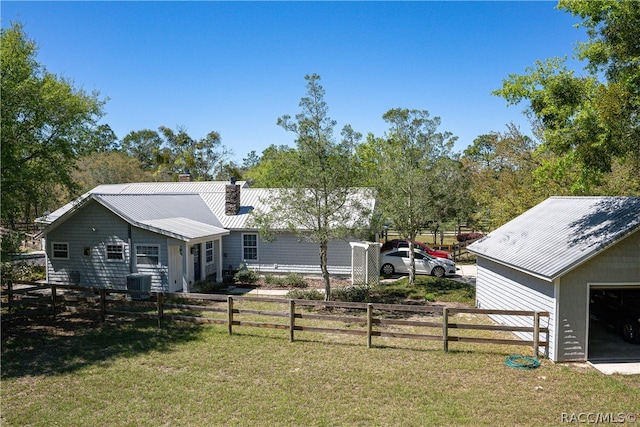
<point>139,282</point>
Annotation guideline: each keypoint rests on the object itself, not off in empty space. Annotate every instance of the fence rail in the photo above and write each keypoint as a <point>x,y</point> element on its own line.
<point>371,318</point>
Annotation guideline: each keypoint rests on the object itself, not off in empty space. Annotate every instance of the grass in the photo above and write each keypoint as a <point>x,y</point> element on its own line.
<point>426,288</point>
<point>79,372</point>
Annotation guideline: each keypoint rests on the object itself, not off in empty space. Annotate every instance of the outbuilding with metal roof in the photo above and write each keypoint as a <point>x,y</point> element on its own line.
<point>553,257</point>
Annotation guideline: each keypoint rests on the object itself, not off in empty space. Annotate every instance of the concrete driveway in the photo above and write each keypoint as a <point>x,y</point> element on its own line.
<point>467,273</point>
<point>609,353</point>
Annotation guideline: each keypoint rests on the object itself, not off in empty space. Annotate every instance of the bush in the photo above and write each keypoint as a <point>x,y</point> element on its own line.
<point>272,280</point>
<point>10,242</point>
<point>295,280</point>
<point>310,294</point>
<point>244,275</point>
<point>291,280</point>
<point>207,286</point>
<point>350,294</point>
<point>21,272</point>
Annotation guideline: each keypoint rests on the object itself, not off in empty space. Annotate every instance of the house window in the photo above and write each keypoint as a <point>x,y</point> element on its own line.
<point>147,255</point>
<point>209,251</point>
<point>250,247</point>
<point>60,250</point>
<point>115,252</point>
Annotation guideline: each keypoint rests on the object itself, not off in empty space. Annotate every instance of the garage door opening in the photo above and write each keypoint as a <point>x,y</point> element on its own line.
<point>614,324</point>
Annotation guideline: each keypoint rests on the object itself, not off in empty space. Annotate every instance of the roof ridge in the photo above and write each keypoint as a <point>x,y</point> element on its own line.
<point>593,197</point>
<point>194,193</point>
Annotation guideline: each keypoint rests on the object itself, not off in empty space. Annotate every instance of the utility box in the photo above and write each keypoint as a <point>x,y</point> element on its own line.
<point>138,282</point>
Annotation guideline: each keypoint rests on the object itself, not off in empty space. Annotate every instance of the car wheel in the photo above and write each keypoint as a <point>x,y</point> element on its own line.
<point>631,331</point>
<point>438,271</point>
<point>387,269</point>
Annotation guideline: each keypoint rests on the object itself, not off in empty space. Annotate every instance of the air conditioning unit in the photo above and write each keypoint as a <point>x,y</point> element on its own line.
<point>138,282</point>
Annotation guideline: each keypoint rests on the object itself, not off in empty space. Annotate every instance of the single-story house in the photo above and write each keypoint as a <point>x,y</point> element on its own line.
<point>551,257</point>
<point>174,234</point>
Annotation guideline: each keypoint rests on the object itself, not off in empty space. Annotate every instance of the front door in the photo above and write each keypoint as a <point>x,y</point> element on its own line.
<point>197,262</point>
<point>175,268</point>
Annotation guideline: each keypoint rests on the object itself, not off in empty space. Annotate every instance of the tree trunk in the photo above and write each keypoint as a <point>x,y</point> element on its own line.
<point>412,261</point>
<point>325,270</point>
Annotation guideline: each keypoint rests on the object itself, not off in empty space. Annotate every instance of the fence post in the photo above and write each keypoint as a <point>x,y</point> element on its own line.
<point>9,294</point>
<point>53,299</point>
<point>445,328</point>
<point>536,333</point>
<point>292,319</point>
<point>369,323</point>
<point>103,304</point>
<point>230,313</point>
<point>160,304</point>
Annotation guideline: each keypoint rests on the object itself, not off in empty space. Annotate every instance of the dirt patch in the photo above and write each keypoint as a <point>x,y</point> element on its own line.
<point>312,283</point>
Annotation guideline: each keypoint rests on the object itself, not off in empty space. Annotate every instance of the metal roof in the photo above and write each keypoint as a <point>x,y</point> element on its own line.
<point>182,228</point>
<point>197,187</point>
<point>166,187</point>
<point>261,200</point>
<point>140,207</point>
<point>560,233</point>
<point>203,202</point>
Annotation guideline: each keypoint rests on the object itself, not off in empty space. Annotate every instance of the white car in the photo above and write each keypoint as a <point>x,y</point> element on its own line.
<point>397,261</point>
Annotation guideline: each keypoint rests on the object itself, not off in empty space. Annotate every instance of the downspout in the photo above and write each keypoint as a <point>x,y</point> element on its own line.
<point>219,276</point>
<point>553,355</point>
<point>129,241</point>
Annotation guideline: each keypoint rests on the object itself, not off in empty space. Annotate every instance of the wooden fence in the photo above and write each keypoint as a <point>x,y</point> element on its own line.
<point>372,317</point>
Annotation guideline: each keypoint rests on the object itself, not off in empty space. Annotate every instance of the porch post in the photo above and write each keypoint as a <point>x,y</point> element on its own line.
<point>185,268</point>
<point>219,263</point>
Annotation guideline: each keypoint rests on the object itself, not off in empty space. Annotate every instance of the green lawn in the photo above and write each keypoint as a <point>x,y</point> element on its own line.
<point>82,373</point>
<point>426,289</point>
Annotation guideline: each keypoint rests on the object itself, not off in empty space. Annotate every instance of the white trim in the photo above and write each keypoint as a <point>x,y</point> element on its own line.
<point>106,250</point>
<point>148,245</point>
<point>257,247</point>
<point>206,255</point>
<point>612,284</point>
<point>53,250</point>
<point>516,268</point>
<point>569,268</point>
<point>556,322</point>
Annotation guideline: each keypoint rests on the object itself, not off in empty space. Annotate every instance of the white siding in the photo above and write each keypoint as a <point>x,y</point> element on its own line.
<point>93,227</point>
<point>287,253</point>
<point>160,273</point>
<point>504,288</point>
<point>499,287</point>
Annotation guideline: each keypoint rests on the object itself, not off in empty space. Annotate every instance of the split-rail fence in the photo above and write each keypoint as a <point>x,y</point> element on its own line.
<point>374,319</point>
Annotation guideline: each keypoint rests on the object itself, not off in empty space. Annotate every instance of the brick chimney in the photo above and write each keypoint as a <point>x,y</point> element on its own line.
<point>185,176</point>
<point>232,198</point>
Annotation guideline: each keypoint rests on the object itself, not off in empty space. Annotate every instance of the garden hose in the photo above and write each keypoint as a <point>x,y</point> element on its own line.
<point>522,362</point>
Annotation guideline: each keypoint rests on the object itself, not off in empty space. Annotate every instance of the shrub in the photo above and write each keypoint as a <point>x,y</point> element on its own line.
<point>270,279</point>
<point>351,294</point>
<point>244,275</point>
<point>430,297</point>
<point>310,294</point>
<point>9,244</point>
<point>207,286</point>
<point>295,280</point>
<point>291,280</point>
<point>21,271</point>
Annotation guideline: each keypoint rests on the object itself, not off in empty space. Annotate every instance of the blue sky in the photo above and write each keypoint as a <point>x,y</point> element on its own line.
<point>235,67</point>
